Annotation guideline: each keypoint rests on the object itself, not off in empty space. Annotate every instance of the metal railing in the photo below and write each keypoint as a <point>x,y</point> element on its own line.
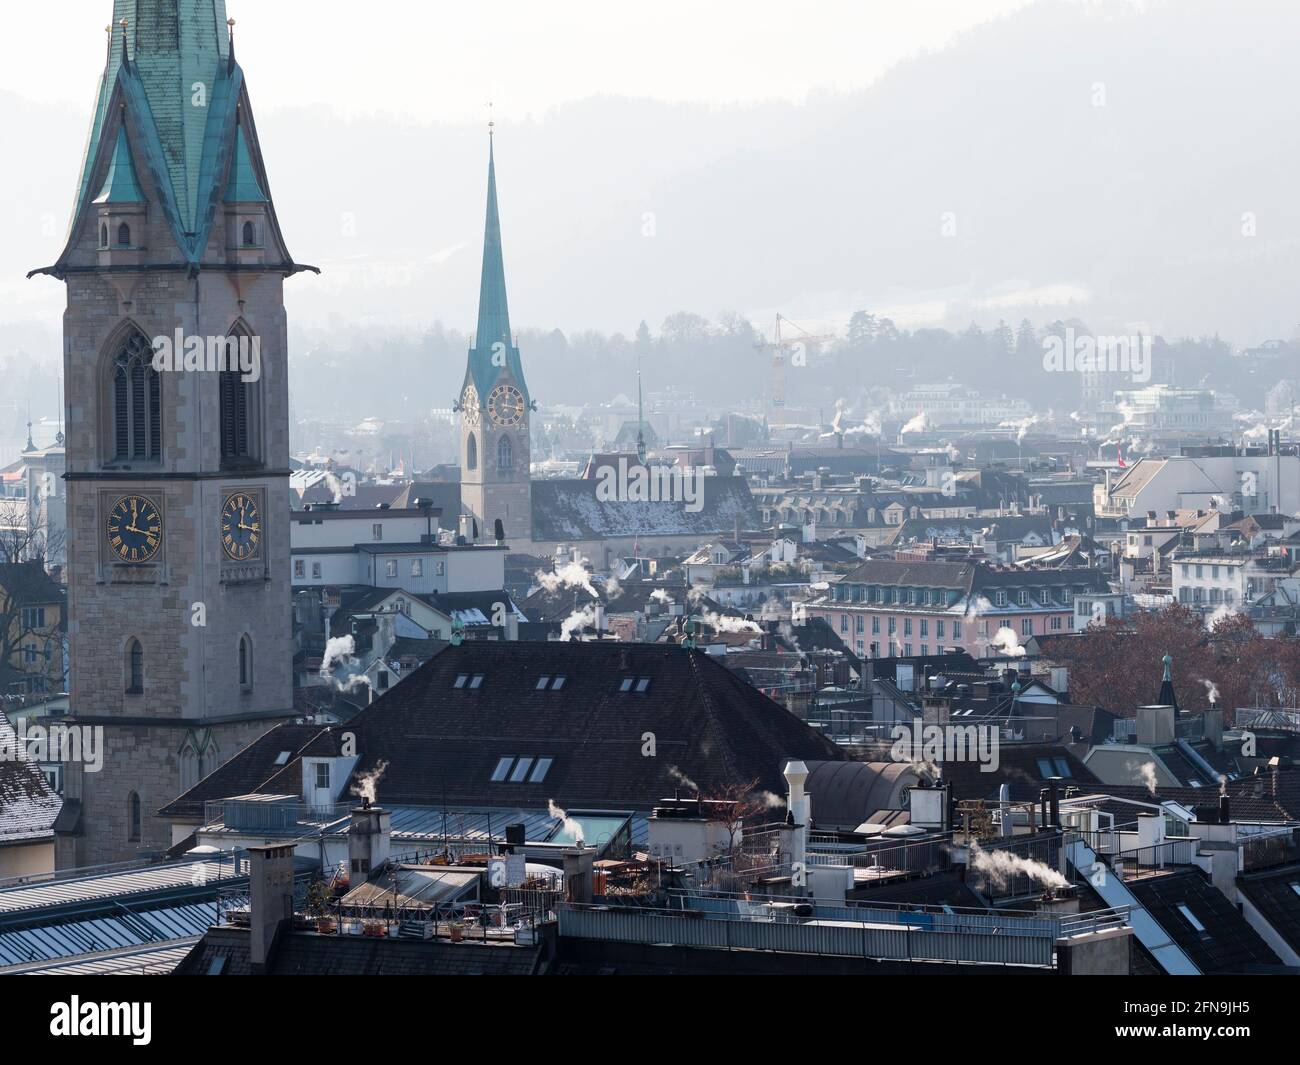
<point>259,818</point>
<point>927,934</point>
<point>1264,851</point>
<point>1139,862</point>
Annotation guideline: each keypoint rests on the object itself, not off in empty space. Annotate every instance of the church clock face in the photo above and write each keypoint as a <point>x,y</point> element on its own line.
<point>469,405</point>
<point>134,528</point>
<point>506,405</point>
<point>241,526</point>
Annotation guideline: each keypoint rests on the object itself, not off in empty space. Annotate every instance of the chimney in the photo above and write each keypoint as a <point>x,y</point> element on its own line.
<point>369,838</point>
<point>1151,830</point>
<point>796,776</point>
<point>270,898</point>
<point>1225,811</point>
<point>579,863</point>
<point>1004,805</point>
<point>1054,796</point>
<point>1214,727</point>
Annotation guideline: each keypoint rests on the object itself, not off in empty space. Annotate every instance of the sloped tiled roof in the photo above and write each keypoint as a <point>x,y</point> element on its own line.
<point>568,509</point>
<point>28,805</point>
<point>1273,892</point>
<point>698,721</point>
<point>1228,942</point>
<point>247,771</point>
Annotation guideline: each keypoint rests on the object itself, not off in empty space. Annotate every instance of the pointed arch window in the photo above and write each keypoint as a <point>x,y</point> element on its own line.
<point>103,234</point>
<point>133,818</point>
<point>471,453</point>
<point>124,236</point>
<point>135,668</point>
<point>505,454</point>
<point>249,235</point>
<point>189,760</point>
<point>136,402</point>
<point>239,405</point>
<point>245,663</point>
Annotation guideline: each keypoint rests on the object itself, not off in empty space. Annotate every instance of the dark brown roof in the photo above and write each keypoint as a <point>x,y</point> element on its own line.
<point>695,721</point>
<point>247,771</point>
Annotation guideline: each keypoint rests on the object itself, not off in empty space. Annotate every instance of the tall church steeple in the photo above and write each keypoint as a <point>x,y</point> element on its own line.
<point>494,346</point>
<point>177,468</point>
<point>494,401</point>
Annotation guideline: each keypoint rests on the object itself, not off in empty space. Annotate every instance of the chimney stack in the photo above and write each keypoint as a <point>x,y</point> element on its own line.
<point>369,839</point>
<point>579,865</point>
<point>796,776</point>
<point>270,898</point>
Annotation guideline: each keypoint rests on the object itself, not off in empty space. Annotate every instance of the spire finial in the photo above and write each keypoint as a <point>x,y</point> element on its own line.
<point>491,121</point>
<point>124,23</point>
<point>1168,662</point>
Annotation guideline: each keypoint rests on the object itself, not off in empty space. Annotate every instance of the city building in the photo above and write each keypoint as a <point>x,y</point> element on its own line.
<point>893,608</point>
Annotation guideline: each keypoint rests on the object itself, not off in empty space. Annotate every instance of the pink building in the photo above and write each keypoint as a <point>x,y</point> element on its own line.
<point>892,608</point>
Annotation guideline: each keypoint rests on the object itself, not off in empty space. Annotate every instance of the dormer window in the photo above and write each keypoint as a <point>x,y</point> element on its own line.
<point>123,236</point>
<point>250,235</point>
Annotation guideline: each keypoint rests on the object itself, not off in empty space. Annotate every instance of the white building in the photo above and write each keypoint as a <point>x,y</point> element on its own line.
<point>1255,484</point>
<point>1208,582</point>
<point>387,548</point>
<point>950,404</point>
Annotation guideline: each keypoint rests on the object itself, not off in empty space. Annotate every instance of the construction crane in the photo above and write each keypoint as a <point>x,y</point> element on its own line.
<point>778,345</point>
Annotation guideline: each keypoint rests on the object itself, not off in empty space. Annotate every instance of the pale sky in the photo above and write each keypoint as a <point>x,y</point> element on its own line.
<point>439,61</point>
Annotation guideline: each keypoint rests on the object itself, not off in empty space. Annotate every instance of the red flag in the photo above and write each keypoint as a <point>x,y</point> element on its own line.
<point>1119,452</point>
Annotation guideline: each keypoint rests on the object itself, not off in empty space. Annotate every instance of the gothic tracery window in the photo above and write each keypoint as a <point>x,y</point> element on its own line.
<point>505,454</point>
<point>136,402</point>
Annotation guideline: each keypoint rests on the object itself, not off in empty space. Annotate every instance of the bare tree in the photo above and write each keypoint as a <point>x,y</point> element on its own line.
<point>25,535</point>
<point>31,603</point>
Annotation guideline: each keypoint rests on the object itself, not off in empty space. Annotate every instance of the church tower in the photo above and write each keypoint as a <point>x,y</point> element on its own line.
<point>177,443</point>
<point>494,403</point>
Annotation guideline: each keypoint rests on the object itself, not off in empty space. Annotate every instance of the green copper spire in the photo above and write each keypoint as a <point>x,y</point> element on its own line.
<point>493,312</point>
<point>242,186</point>
<point>494,347</point>
<point>178,51</point>
<point>120,184</point>
<point>173,126</point>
